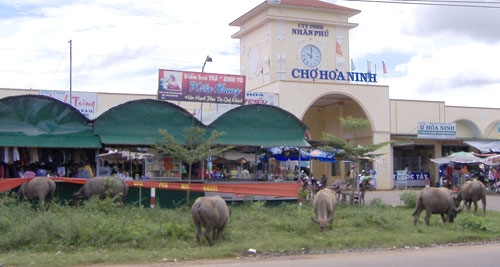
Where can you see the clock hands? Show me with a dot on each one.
(311, 56)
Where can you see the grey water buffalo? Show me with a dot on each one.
(471, 192)
(212, 213)
(324, 206)
(435, 201)
(37, 188)
(102, 187)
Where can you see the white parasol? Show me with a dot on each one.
(492, 160)
(459, 157)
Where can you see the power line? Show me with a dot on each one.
(450, 3)
(57, 69)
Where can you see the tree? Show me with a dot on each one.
(353, 125)
(196, 147)
(348, 151)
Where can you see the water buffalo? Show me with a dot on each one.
(37, 188)
(324, 206)
(212, 213)
(471, 191)
(102, 187)
(435, 201)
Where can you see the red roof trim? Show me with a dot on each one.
(316, 4)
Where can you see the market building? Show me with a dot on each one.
(295, 55)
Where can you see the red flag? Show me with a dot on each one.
(384, 67)
(338, 49)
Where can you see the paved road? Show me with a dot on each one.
(392, 197)
(483, 255)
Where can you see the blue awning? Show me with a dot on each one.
(292, 153)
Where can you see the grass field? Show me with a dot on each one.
(102, 233)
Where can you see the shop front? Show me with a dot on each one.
(41, 136)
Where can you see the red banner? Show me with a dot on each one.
(285, 189)
(201, 87)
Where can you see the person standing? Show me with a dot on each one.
(496, 175)
(449, 175)
(374, 178)
(491, 178)
(353, 175)
(324, 180)
(481, 174)
(464, 171)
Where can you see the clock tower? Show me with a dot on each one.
(279, 36)
(298, 51)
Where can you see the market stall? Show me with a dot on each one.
(44, 136)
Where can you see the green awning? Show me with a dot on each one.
(137, 122)
(50, 141)
(260, 125)
(41, 121)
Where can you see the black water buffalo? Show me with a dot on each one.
(212, 213)
(324, 206)
(102, 187)
(37, 188)
(435, 201)
(472, 191)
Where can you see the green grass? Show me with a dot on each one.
(103, 233)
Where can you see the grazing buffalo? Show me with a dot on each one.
(324, 206)
(213, 214)
(472, 191)
(37, 188)
(435, 201)
(102, 187)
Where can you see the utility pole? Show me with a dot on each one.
(70, 71)
(207, 59)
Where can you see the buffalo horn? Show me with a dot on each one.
(315, 220)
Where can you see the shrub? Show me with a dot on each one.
(474, 223)
(409, 198)
(377, 202)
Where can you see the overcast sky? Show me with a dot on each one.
(434, 53)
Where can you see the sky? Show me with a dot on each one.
(437, 53)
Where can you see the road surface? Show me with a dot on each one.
(483, 255)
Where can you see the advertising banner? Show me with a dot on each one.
(435, 130)
(201, 87)
(413, 179)
(85, 102)
(259, 98)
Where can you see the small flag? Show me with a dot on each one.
(353, 67)
(368, 66)
(338, 49)
(384, 67)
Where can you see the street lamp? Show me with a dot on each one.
(208, 59)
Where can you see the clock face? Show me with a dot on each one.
(310, 55)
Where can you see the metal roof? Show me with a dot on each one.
(137, 122)
(41, 121)
(260, 125)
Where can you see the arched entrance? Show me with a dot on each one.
(323, 115)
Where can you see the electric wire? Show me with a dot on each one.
(58, 66)
(445, 3)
